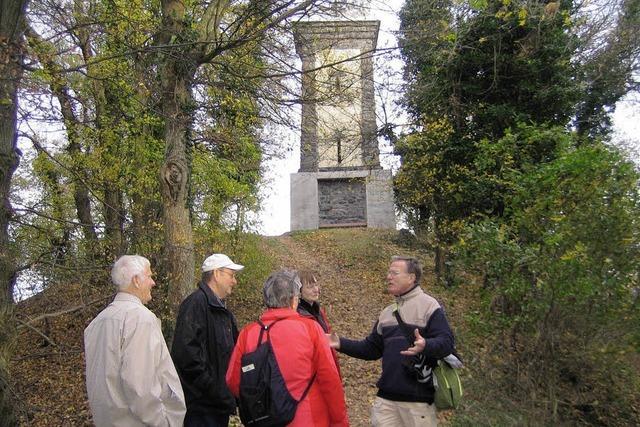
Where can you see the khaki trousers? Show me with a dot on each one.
(388, 413)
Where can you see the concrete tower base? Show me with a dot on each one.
(354, 198)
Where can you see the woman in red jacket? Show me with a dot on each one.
(301, 350)
(309, 305)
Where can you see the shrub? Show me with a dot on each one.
(560, 268)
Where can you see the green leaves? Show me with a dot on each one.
(487, 70)
(561, 263)
(478, 4)
(546, 216)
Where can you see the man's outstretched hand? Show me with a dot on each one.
(418, 345)
(334, 340)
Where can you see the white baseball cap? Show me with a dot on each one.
(216, 261)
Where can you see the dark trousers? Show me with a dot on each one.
(205, 420)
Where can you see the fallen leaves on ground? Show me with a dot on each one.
(351, 265)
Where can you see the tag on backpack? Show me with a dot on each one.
(248, 368)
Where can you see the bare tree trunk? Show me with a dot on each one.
(442, 268)
(114, 210)
(145, 213)
(11, 53)
(60, 243)
(80, 192)
(174, 181)
(12, 28)
(146, 205)
(146, 208)
(176, 75)
(114, 220)
(83, 207)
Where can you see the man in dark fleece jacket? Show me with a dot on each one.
(405, 388)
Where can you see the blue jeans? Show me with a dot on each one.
(205, 420)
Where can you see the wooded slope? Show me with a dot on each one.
(48, 372)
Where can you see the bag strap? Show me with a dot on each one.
(306, 390)
(267, 328)
(405, 328)
(409, 333)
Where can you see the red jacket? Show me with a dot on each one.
(315, 312)
(301, 349)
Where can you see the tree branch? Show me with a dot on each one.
(24, 324)
(59, 313)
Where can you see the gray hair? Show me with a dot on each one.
(206, 277)
(413, 266)
(126, 268)
(280, 288)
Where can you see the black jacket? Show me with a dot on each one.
(313, 310)
(202, 344)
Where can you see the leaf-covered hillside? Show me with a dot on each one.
(351, 265)
(48, 367)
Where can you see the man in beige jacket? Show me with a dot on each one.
(131, 379)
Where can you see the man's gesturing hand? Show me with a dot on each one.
(418, 345)
(334, 340)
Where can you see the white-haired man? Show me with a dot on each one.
(131, 380)
(205, 334)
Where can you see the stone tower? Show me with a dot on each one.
(340, 182)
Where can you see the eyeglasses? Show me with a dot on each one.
(395, 273)
(229, 272)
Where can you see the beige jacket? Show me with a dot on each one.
(131, 380)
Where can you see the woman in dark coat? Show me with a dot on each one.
(309, 305)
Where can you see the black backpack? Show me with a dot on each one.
(265, 400)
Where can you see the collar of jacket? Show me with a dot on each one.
(212, 298)
(272, 314)
(416, 290)
(312, 309)
(125, 296)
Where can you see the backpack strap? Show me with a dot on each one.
(264, 328)
(306, 390)
(267, 328)
(417, 364)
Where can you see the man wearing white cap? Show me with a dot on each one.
(203, 341)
